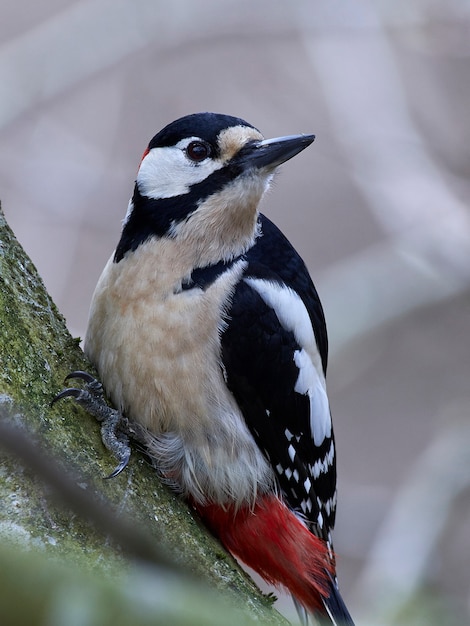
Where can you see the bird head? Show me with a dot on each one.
(200, 181)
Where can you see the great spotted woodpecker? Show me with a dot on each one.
(207, 331)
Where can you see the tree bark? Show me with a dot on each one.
(36, 353)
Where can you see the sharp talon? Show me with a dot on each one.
(122, 465)
(66, 393)
(88, 378)
(115, 429)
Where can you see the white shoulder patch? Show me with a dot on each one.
(293, 317)
(289, 308)
(309, 383)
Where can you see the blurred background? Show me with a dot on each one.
(378, 207)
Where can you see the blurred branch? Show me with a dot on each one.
(58, 588)
(92, 35)
(426, 256)
(401, 557)
(424, 259)
(40, 591)
(132, 539)
(389, 280)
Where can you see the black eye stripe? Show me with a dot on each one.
(198, 150)
(152, 217)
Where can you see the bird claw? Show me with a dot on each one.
(121, 466)
(115, 429)
(93, 385)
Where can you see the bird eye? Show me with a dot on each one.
(198, 151)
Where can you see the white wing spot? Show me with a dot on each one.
(288, 434)
(323, 465)
(330, 504)
(291, 452)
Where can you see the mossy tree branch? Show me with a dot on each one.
(36, 353)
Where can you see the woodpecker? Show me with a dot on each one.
(207, 331)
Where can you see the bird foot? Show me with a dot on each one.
(115, 427)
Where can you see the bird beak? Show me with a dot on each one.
(269, 153)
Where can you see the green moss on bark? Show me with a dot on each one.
(36, 353)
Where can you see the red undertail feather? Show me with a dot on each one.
(271, 540)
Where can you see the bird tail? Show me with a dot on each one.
(335, 606)
(335, 609)
(271, 540)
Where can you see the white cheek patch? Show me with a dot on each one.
(167, 172)
(293, 317)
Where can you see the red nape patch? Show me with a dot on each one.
(271, 540)
(144, 155)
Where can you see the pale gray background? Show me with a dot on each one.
(377, 206)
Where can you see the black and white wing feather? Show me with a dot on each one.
(274, 352)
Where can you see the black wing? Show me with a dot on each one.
(260, 352)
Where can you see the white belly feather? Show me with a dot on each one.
(157, 351)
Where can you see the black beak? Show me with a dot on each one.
(269, 153)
